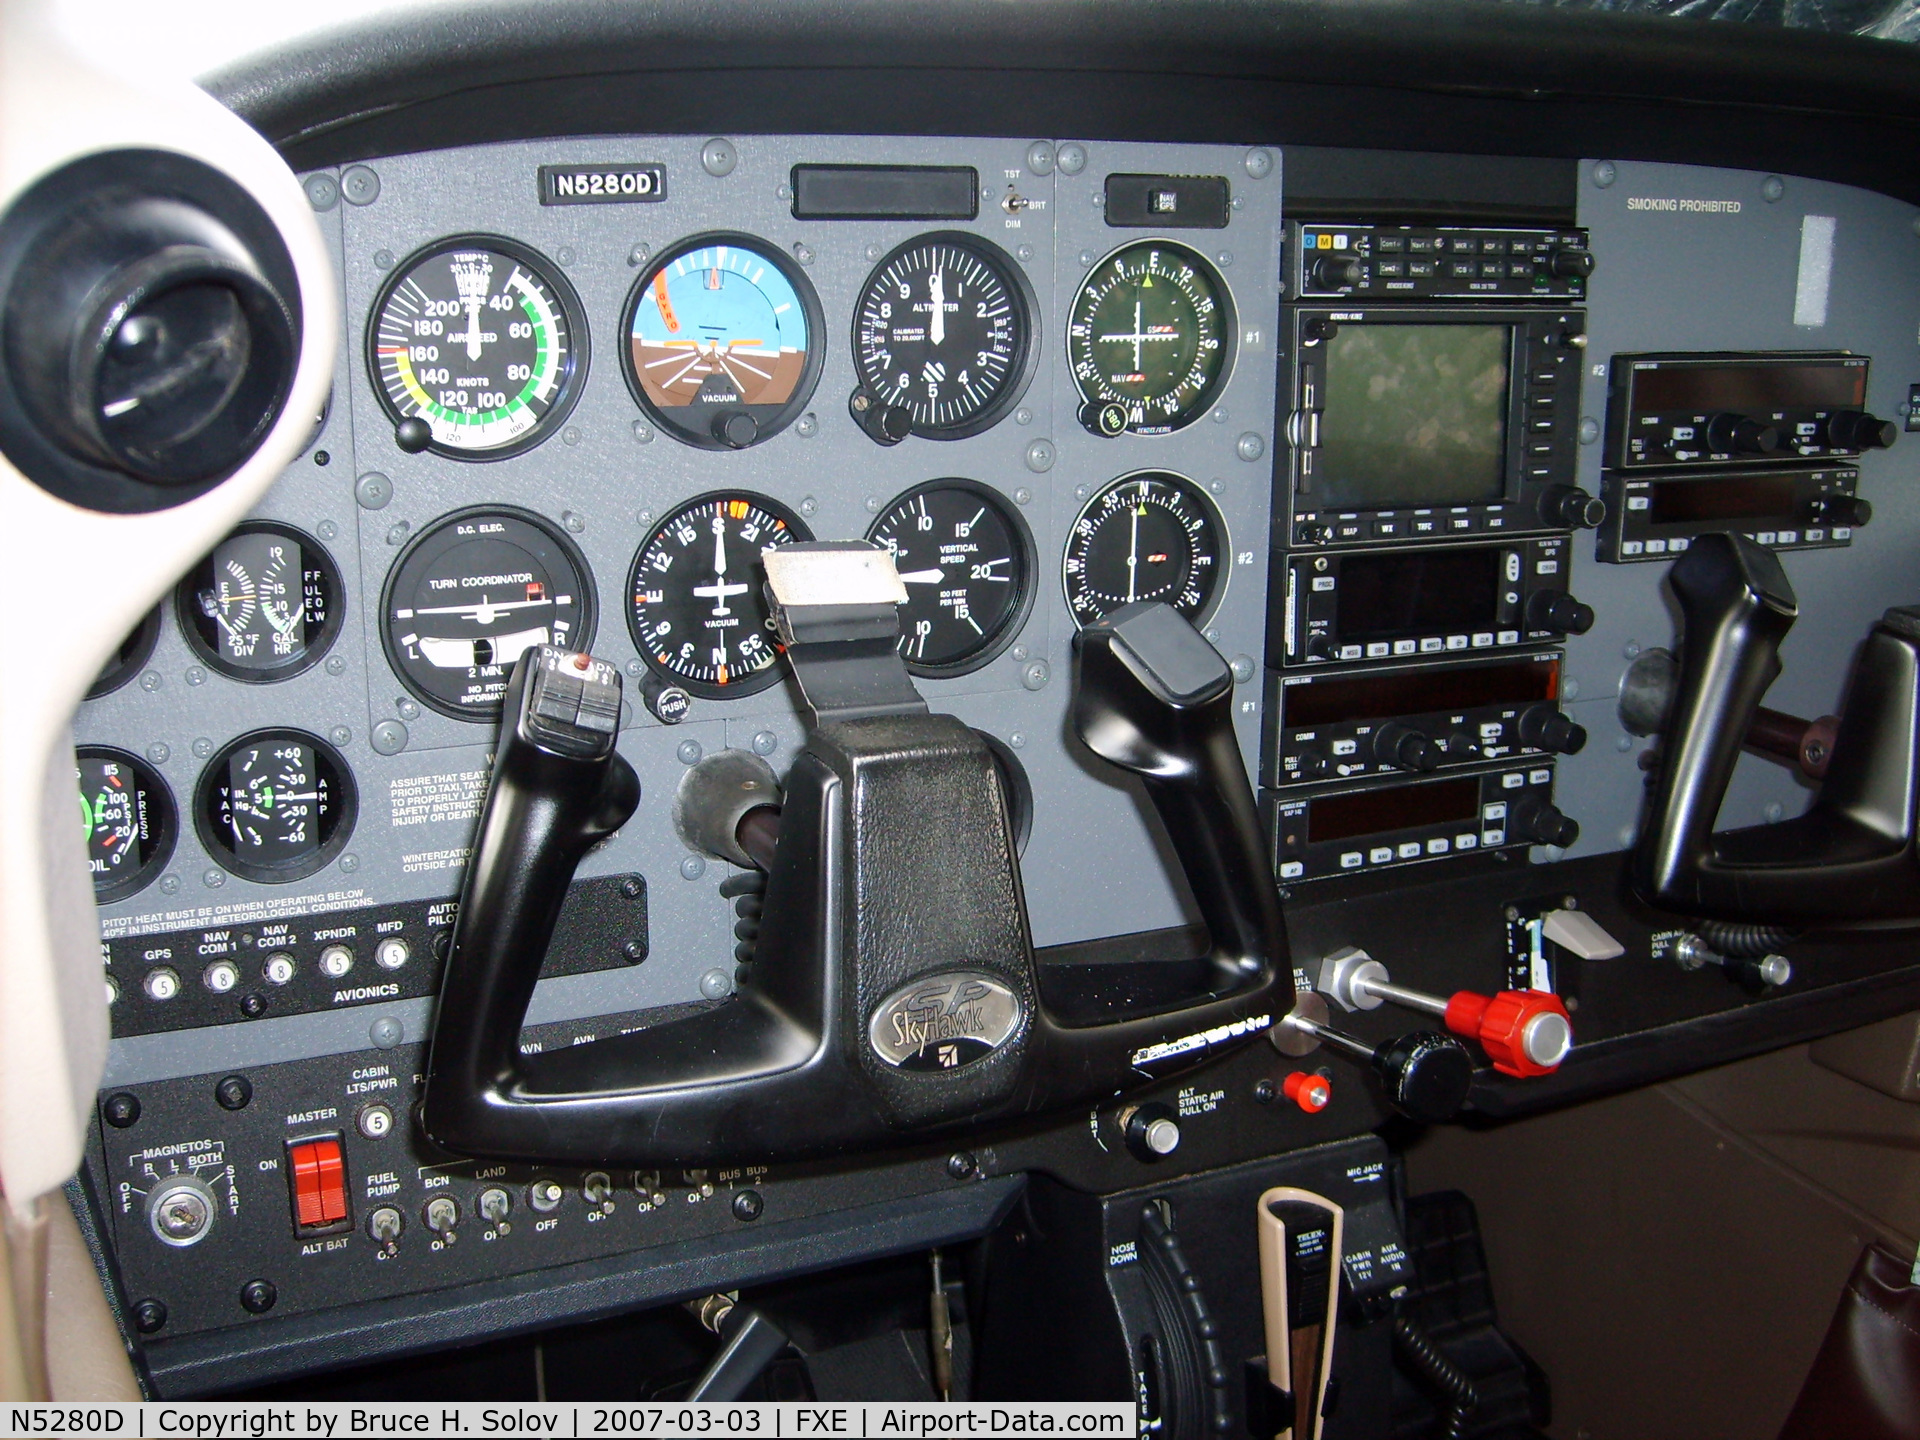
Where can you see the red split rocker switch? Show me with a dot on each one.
(317, 1177)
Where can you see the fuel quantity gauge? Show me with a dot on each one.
(264, 605)
(126, 814)
(275, 806)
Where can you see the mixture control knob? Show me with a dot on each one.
(1559, 612)
(1571, 263)
(1541, 822)
(1152, 1131)
(1334, 272)
(1734, 434)
(1405, 748)
(1571, 507)
(1857, 430)
(1840, 509)
(1524, 1032)
(180, 1211)
(1545, 728)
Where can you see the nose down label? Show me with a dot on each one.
(944, 1021)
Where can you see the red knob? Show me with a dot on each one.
(1310, 1092)
(1524, 1032)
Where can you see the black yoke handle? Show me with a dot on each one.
(894, 990)
(1849, 860)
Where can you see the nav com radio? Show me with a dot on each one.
(1420, 423)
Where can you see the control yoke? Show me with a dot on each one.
(1850, 858)
(894, 989)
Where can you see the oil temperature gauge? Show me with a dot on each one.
(127, 816)
(471, 595)
(264, 605)
(967, 559)
(275, 806)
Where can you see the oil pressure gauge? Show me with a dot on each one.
(127, 815)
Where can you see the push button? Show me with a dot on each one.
(317, 1173)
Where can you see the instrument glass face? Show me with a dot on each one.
(1150, 536)
(967, 560)
(723, 341)
(275, 806)
(479, 338)
(474, 593)
(1152, 332)
(943, 329)
(697, 606)
(264, 605)
(127, 817)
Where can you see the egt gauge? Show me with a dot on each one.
(477, 347)
(264, 605)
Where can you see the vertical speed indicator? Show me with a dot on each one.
(479, 339)
(1149, 339)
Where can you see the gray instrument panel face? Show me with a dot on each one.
(1092, 866)
(1706, 276)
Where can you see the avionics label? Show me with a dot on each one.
(603, 184)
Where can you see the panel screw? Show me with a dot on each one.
(564, 255)
(961, 1164)
(640, 254)
(689, 752)
(1040, 455)
(336, 666)
(397, 533)
(808, 426)
(389, 737)
(383, 259)
(575, 522)
(747, 1205)
(692, 868)
(1225, 257)
(1772, 188)
(121, 1110)
(196, 676)
(323, 459)
(1589, 430)
(349, 863)
(169, 884)
(632, 888)
(323, 192)
(340, 735)
(151, 681)
(1071, 159)
(327, 530)
(149, 1316)
(1605, 172)
(809, 506)
(1243, 669)
(386, 1032)
(718, 157)
(360, 185)
(373, 490)
(1035, 676)
(1017, 740)
(1264, 1092)
(253, 1005)
(1259, 163)
(634, 951)
(1025, 252)
(642, 432)
(406, 709)
(765, 742)
(1249, 446)
(716, 984)
(1023, 496)
(234, 1093)
(1040, 158)
(257, 1296)
(802, 251)
(202, 748)
(214, 879)
(570, 436)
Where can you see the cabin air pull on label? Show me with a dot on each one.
(630, 184)
(944, 1021)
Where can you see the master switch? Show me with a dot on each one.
(317, 1178)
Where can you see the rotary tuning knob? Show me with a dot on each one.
(1732, 434)
(1334, 272)
(1857, 430)
(1544, 727)
(1559, 612)
(885, 424)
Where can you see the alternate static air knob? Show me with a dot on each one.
(1734, 434)
(1334, 272)
(1539, 821)
(1857, 430)
(1405, 748)
(1847, 510)
(1559, 612)
(1545, 728)
(1570, 263)
(1571, 507)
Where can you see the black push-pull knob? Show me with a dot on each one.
(1571, 264)
(1545, 728)
(1334, 272)
(1572, 507)
(1559, 612)
(1733, 434)
(1857, 430)
(1405, 748)
(1848, 510)
(1318, 329)
(1543, 823)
